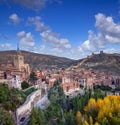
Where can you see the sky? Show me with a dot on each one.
(65, 28)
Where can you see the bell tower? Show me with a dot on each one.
(18, 60)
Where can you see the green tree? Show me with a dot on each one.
(105, 121)
(37, 117)
(10, 98)
(70, 118)
(6, 118)
(33, 77)
(4, 90)
(56, 93)
(8, 105)
(79, 102)
(24, 85)
(98, 94)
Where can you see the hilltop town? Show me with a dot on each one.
(16, 70)
(74, 80)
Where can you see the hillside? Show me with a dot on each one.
(101, 62)
(36, 60)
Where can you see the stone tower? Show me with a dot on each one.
(18, 60)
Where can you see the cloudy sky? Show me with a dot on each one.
(67, 28)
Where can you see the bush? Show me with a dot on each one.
(8, 105)
(102, 87)
(29, 91)
(24, 85)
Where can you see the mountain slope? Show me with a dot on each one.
(36, 60)
(101, 62)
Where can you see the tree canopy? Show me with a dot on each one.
(56, 93)
(89, 109)
(33, 77)
(24, 85)
(10, 99)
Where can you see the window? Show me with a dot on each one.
(20, 58)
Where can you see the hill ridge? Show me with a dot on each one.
(102, 62)
(36, 60)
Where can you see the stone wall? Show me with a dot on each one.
(24, 111)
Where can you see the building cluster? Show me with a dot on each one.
(70, 79)
(14, 72)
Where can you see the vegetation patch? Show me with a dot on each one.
(88, 109)
(10, 99)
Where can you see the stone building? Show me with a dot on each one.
(17, 69)
(19, 64)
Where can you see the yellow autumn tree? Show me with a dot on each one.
(91, 120)
(99, 103)
(91, 104)
(79, 117)
(85, 123)
(110, 108)
(96, 123)
(91, 109)
(104, 111)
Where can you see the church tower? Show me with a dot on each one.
(19, 60)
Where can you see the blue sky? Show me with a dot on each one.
(67, 28)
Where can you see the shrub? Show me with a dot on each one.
(24, 85)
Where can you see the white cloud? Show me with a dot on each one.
(36, 21)
(112, 39)
(26, 39)
(54, 41)
(31, 4)
(21, 34)
(42, 47)
(51, 39)
(112, 50)
(94, 43)
(108, 28)
(5, 46)
(108, 33)
(56, 50)
(14, 18)
(65, 43)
